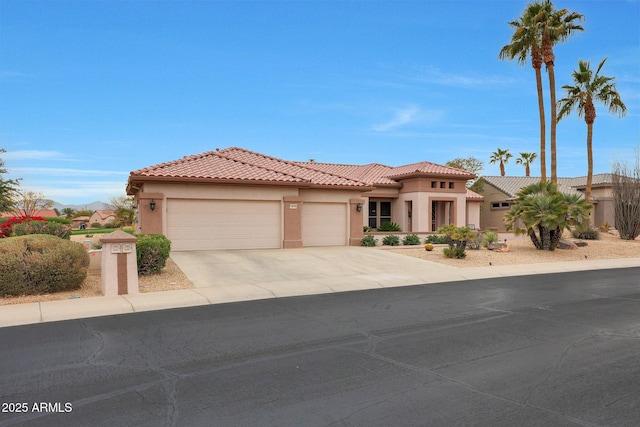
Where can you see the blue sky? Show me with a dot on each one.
(91, 90)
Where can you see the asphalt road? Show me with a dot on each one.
(553, 350)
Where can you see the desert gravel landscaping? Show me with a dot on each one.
(522, 251)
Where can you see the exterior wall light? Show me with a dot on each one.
(359, 207)
(152, 205)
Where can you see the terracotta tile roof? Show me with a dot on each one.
(422, 168)
(239, 164)
(45, 213)
(104, 214)
(474, 196)
(373, 173)
(243, 165)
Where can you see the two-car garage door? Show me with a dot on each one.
(249, 224)
(223, 224)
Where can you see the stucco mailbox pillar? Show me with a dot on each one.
(119, 272)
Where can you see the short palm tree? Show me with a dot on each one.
(587, 88)
(555, 26)
(525, 42)
(502, 157)
(526, 159)
(543, 213)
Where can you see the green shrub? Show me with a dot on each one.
(391, 240)
(368, 241)
(586, 233)
(96, 225)
(436, 239)
(112, 224)
(37, 264)
(42, 227)
(366, 228)
(489, 238)
(411, 239)
(58, 219)
(389, 226)
(152, 251)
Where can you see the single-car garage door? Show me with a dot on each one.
(223, 224)
(324, 224)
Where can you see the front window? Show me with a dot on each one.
(379, 212)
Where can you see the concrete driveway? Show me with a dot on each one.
(243, 275)
(306, 271)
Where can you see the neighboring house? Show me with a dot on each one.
(499, 192)
(102, 217)
(80, 222)
(239, 199)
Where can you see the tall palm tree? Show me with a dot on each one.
(526, 159)
(555, 26)
(526, 41)
(502, 157)
(587, 88)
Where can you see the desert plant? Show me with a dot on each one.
(152, 251)
(457, 238)
(625, 180)
(366, 228)
(489, 238)
(368, 241)
(37, 264)
(585, 233)
(428, 247)
(391, 240)
(7, 226)
(546, 213)
(605, 227)
(411, 239)
(389, 226)
(436, 239)
(454, 252)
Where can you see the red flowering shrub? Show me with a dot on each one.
(5, 229)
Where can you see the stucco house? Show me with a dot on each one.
(102, 217)
(499, 192)
(239, 199)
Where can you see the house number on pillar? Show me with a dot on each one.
(293, 206)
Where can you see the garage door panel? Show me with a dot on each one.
(223, 224)
(324, 224)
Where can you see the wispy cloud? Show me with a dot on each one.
(408, 115)
(434, 75)
(66, 172)
(34, 155)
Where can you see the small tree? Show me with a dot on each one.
(31, 203)
(124, 208)
(626, 198)
(8, 189)
(457, 238)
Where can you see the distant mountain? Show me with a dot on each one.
(94, 206)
